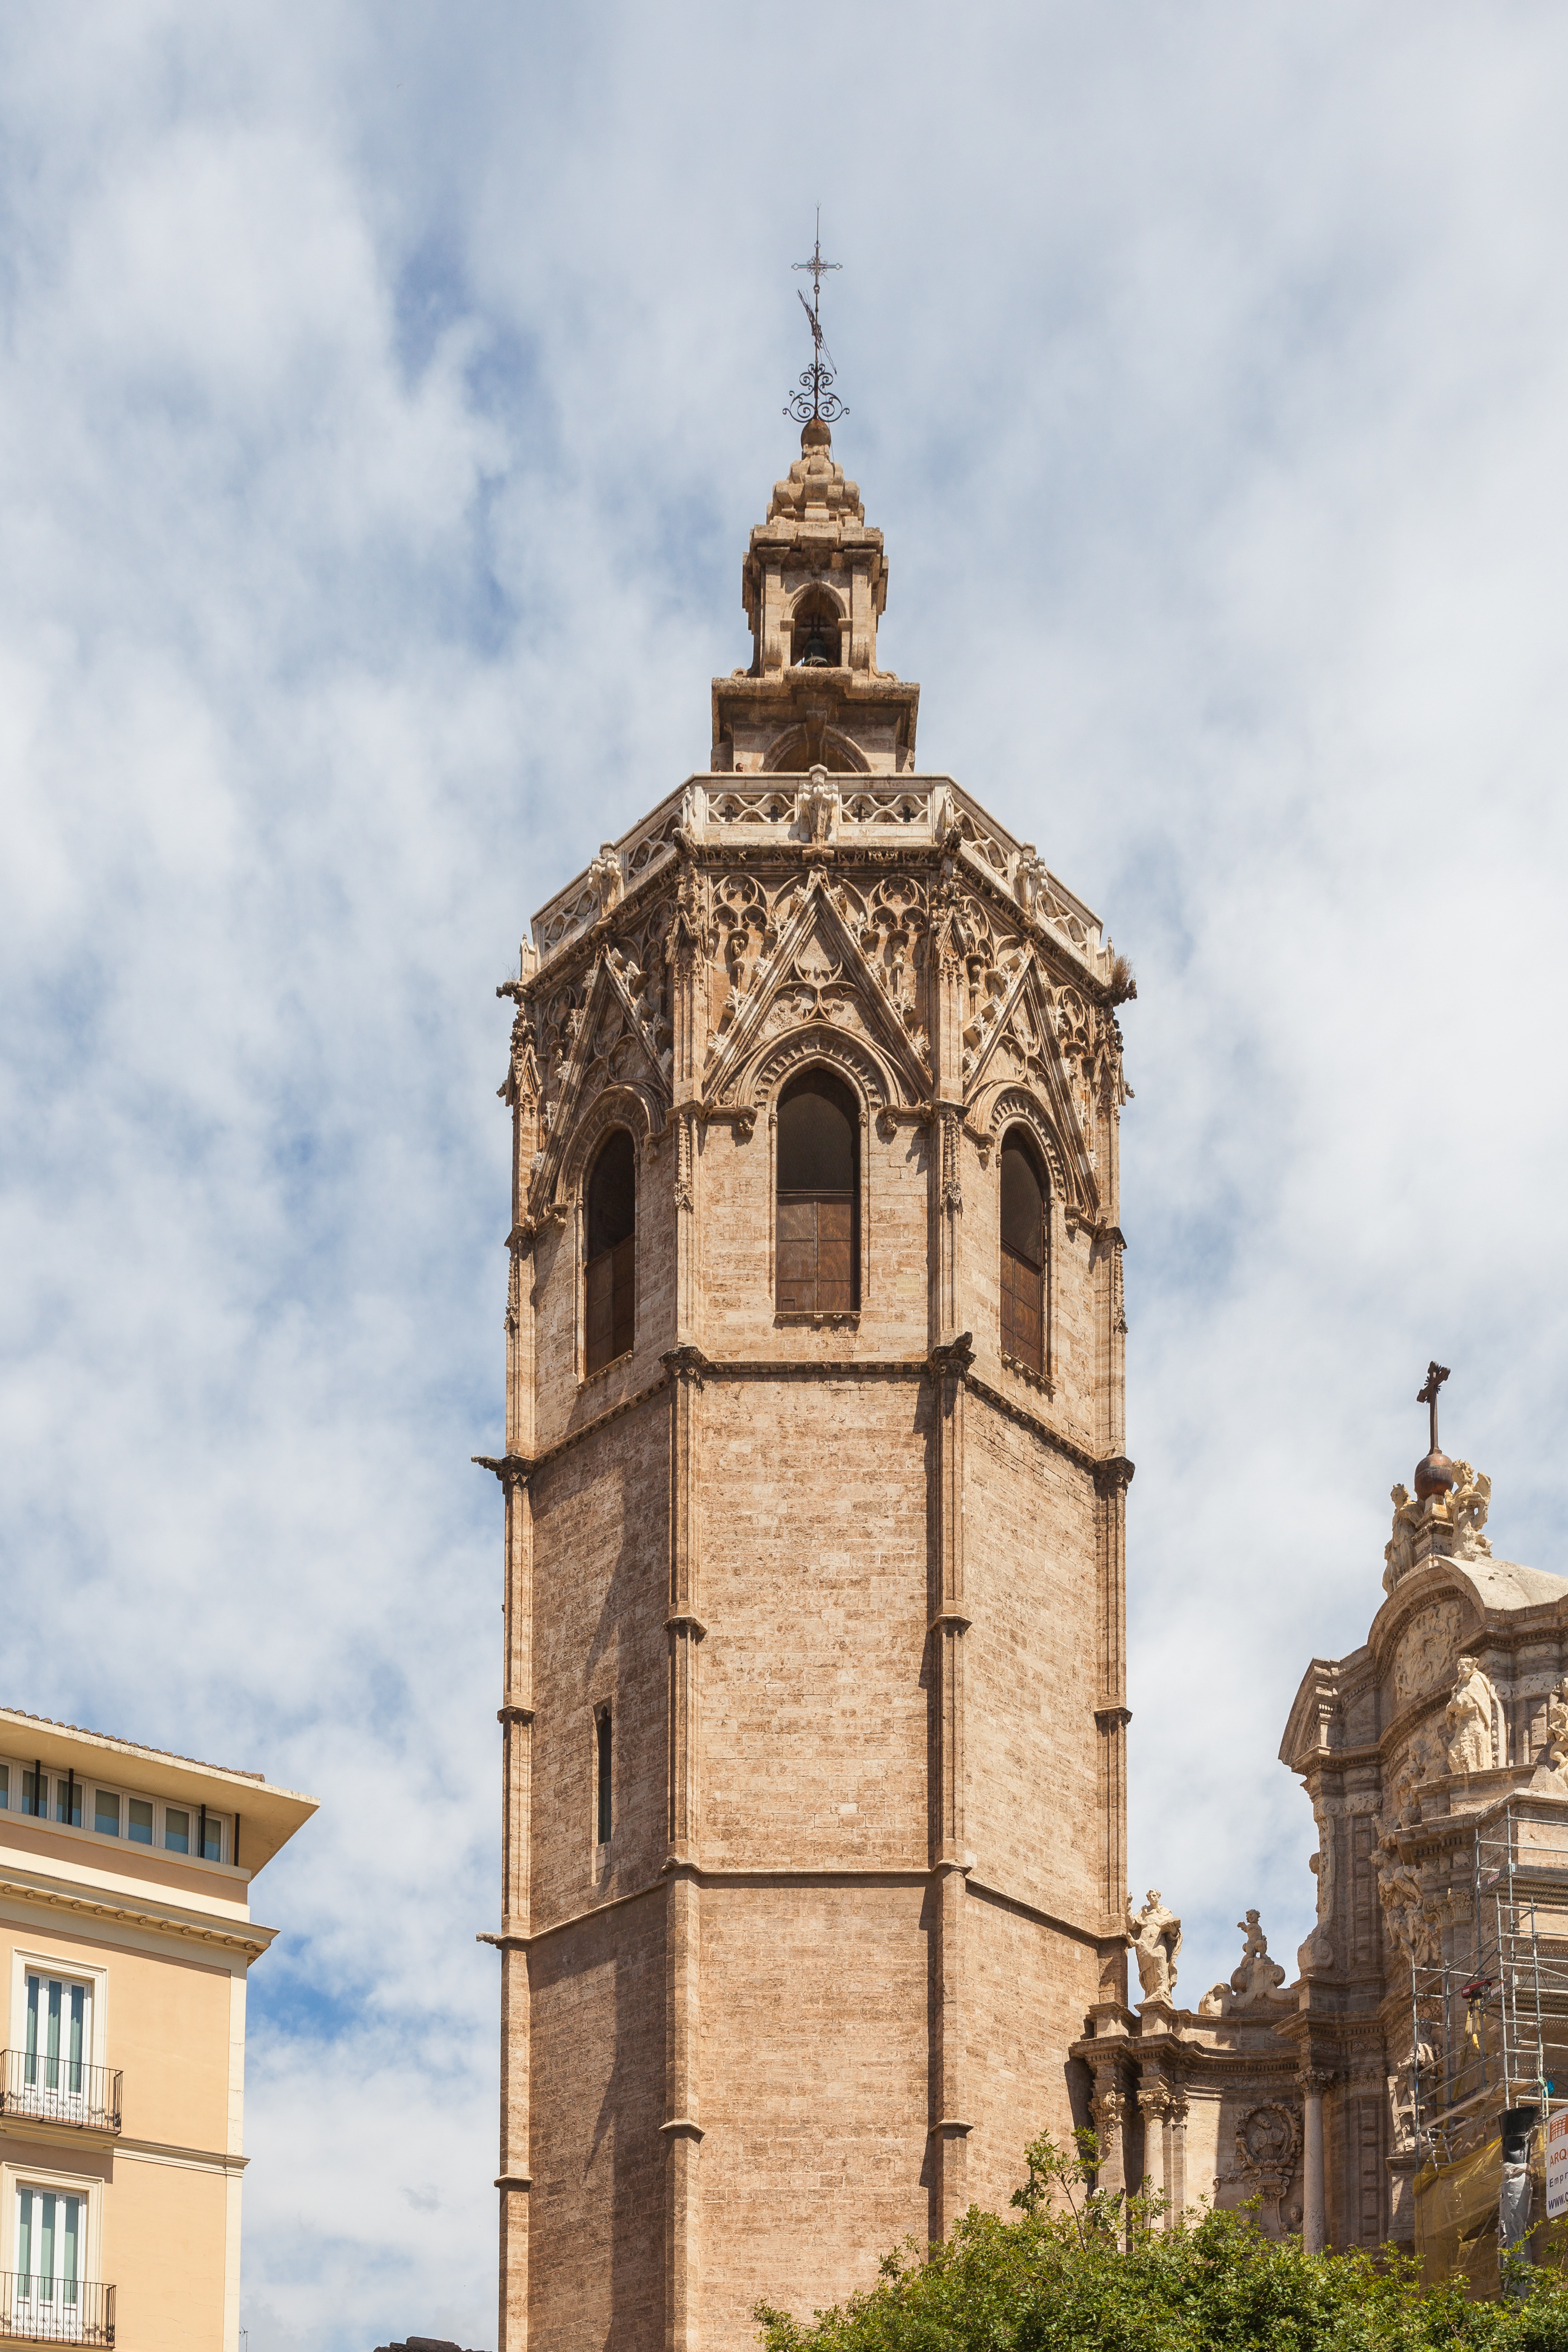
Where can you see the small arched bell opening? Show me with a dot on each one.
(610, 1274)
(818, 1205)
(815, 633)
(1023, 1250)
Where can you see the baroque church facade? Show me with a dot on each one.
(814, 1712)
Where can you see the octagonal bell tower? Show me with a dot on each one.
(814, 1720)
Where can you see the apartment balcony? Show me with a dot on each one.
(34, 2310)
(42, 2089)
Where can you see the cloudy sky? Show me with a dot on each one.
(385, 395)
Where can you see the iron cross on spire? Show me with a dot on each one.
(815, 400)
(1436, 1374)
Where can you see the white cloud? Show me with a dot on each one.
(383, 403)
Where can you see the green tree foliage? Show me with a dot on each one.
(1082, 2270)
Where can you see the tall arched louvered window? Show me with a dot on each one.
(1023, 1250)
(818, 1230)
(612, 1266)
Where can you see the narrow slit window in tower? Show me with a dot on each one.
(818, 1230)
(1022, 1252)
(603, 1763)
(611, 1272)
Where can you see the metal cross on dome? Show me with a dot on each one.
(815, 400)
(1436, 1374)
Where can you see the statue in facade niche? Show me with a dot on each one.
(1155, 1934)
(1468, 1716)
(1552, 1764)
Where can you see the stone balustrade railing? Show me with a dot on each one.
(872, 812)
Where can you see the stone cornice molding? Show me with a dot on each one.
(1109, 1471)
(235, 1937)
(1090, 1937)
(520, 1468)
(157, 2151)
(829, 1875)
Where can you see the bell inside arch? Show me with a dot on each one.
(816, 634)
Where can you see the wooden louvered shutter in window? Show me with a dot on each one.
(610, 1274)
(817, 1231)
(1022, 1256)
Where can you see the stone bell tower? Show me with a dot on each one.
(814, 1720)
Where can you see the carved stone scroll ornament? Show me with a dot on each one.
(1155, 1934)
(1468, 1716)
(1254, 1984)
(1268, 2145)
(1421, 1662)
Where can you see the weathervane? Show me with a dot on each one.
(816, 402)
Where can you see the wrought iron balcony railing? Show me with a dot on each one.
(41, 2089)
(38, 2310)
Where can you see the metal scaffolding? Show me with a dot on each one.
(1490, 2034)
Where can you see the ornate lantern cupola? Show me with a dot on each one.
(814, 585)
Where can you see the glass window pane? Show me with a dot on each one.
(78, 2019)
(68, 2267)
(138, 1825)
(67, 1801)
(24, 2233)
(32, 2026)
(4, 1788)
(46, 2244)
(212, 1848)
(176, 1830)
(106, 1814)
(35, 1792)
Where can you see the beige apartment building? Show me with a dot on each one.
(125, 1940)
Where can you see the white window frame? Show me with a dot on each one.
(89, 1784)
(88, 2187)
(37, 1962)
